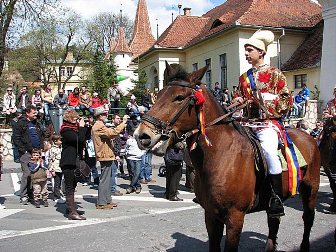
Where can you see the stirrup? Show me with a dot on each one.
(278, 212)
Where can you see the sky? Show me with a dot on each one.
(160, 11)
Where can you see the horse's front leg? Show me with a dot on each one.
(234, 226)
(215, 232)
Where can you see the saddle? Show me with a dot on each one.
(260, 160)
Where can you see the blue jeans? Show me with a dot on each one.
(146, 166)
(114, 175)
(135, 168)
(46, 110)
(83, 108)
(74, 108)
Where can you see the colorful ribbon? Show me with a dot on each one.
(294, 171)
(200, 100)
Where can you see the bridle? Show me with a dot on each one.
(166, 128)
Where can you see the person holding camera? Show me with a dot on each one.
(102, 140)
(173, 162)
(73, 133)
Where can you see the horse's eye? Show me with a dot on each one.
(179, 98)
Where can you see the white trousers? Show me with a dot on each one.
(269, 142)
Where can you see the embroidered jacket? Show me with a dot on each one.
(330, 109)
(273, 87)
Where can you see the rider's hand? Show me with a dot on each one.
(125, 118)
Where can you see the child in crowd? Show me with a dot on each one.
(133, 157)
(38, 178)
(54, 158)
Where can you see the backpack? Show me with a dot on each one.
(174, 156)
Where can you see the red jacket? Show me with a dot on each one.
(95, 102)
(73, 100)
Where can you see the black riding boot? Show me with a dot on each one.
(276, 208)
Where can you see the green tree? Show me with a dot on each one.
(53, 45)
(16, 15)
(102, 75)
(140, 85)
(103, 28)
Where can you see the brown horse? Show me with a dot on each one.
(328, 156)
(226, 180)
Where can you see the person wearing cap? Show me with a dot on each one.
(133, 108)
(95, 101)
(9, 107)
(266, 89)
(330, 109)
(102, 136)
(113, 97)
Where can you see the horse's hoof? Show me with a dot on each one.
(270, 246)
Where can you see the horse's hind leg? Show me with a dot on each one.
(273, 228)
(309, 196)
(215, 232)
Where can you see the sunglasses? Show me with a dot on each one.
(9, 90)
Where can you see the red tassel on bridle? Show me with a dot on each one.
(200, 100)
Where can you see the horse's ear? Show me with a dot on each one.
(196, 76)
(167, 73)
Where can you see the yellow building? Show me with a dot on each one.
(217, 39)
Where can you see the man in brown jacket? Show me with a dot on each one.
(102, 140)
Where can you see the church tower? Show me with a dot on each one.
(125, 55)
(142, 38)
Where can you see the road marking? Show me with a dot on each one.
(7, 212)
(15, 181)
(5, 234)
(150, 198)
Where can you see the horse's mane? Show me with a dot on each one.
(178, 73)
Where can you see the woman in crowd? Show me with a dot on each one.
(37, 101)
(47, 99)
(73, 140)
(73, 99)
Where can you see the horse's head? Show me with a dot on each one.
(173, 113)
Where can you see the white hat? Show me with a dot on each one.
(133, 97)
(95, 94)
(261, 39)
(99, 111)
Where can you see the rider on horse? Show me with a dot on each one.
(266, 89)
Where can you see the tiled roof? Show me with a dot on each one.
(181, 31)
(142, 38)
(122, 45)
(272, 13)
(309, 53)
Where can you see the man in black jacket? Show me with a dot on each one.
(27, 136)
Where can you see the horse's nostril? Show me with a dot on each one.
(145, 140)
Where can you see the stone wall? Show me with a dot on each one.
(312, 113)
(6, 140)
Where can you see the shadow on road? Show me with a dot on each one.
(249, 241)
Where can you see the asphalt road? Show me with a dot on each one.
(145, 222)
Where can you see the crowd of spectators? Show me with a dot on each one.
(85, 133)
